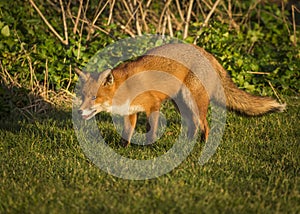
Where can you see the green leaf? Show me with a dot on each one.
(5, 31)
(239, 62)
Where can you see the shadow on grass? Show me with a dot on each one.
(18, 104)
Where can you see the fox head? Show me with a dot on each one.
(96, 92)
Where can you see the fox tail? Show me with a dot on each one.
(249, 104)
(243, 102)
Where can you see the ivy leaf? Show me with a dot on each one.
(5, 31)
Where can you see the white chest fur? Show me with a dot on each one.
(125, 109)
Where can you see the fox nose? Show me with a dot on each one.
(80, 112)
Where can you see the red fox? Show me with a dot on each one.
(165, 72)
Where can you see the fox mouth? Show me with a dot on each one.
(89, 116)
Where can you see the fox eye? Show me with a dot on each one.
(94, 97)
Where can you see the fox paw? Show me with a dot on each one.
(124, 142)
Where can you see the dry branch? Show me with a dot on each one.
(211, 12)
(64, 41)
(78, 16)
(187, 21)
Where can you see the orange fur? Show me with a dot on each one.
(169, 71)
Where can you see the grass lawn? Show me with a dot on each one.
(255, 170)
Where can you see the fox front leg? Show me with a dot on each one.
(129, 125)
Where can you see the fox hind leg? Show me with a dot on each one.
(197, 102)
(189, 117)
(203, 104)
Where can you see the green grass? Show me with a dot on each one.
(255, 170)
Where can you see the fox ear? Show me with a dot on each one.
(108, 77)
(83, 75)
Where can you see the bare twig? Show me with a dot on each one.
(94, 26)
(99, 13)
(65, 42)
(6, 74)
(133, 16)
(252, 7)
(127, 31)
(70, 77)
(46, 79)
(138, 27)
(257, 72)
(162, 16)
(86, 8)
(275, 92)
(284, 17)
(111, 8)
(175, 22)
(208, 5)
(187, 21)
(211, 12)
(78, 16)
(179, 10)
(170, 24)
(148, 3)
(143, 15)
(32, 75)
(127, 7)
(229, 13)
(137, 23)
(163, 32)
(294, 24)
(64, 22)
(201, 9)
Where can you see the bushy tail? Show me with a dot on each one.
(246, 103)
(239, 100)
